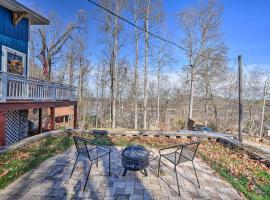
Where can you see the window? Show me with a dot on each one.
(13, 61)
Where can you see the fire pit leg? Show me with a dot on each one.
(145, 172)
(125, 171)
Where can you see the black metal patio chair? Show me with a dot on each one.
(90, 151)
(180, 154)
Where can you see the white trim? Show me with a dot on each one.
(26, 70)
(6, 49)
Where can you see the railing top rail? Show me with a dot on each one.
(35, 80)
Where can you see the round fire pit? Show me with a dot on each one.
(135, 158)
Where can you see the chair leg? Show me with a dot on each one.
(109, 163)
(159, 165)
(87, 176)
(124, 173)
(145, 172)
(74, 166)
(177, 180)
(196, 174)
(97, 158)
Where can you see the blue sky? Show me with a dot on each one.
(246, 25)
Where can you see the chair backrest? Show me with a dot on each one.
(81, 146)
(188, 151)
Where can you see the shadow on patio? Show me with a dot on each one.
(102, 186)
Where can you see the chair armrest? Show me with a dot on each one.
(171, 147)
(96, 146)
(179, 146)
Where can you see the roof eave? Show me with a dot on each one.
(34, 17)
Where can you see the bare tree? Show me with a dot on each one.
(163, 60)
(111, 28)
(152, 15)
(84, 66)
(146, 46)
(212, 73)
(136, 11)
(57, 40)
(201, 26)
(253, 90)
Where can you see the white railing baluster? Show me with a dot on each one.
(15, 89)
(10, 88)
(38, 92)
(27, 90)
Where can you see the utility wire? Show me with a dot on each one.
(155, 35)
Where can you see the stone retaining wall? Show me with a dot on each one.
(194, 135)
(30, 140)
(225, 139)
(168, 134)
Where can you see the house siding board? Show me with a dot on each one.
(2, 20)
(15, 37)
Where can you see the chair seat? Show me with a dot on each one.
(174, 158)
(101, 152)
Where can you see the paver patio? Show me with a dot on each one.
(51, 180)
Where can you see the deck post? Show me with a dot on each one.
(52, 118)
(40, 120)
(75, 117)
(3, 89)
(3, 116)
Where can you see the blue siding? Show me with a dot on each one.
(14, 44)
(15, 37)
(19, 32)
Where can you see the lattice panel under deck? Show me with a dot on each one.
(12, 127)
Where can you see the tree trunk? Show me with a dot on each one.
(146, 21)
(97, 100)
(49, 59)
(136, 72)
(205, 106)
(70, 69)
(191, 92)
(103, 102)
(83, 106)
(113, 72)
(205, 112)
(215, 107)
(80, 94)
(158, 97)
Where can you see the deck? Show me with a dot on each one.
(23, 93)
(19, 88)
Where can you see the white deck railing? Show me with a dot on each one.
(15, 87)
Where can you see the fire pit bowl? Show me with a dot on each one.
(135, 158)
